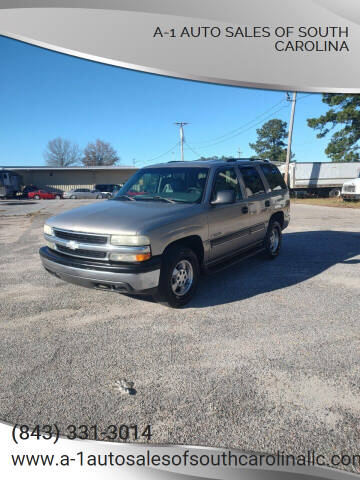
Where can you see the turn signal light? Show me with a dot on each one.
(141, 257)
(129, 257)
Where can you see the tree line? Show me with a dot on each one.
(60, 152)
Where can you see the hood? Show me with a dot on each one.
(354, 181)
(120, 217)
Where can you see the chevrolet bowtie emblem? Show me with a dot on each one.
(72, 245)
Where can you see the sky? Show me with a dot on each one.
(44, 95)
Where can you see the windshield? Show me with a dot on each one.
(185, 185)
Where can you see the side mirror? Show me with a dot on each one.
(224, 197)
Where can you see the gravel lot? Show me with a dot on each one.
(266, 357)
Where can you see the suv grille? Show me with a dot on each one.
(349, 188)
(81, 237)
(79, 252)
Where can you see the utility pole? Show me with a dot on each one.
(288, 152)
(182, 138)
(239, 152)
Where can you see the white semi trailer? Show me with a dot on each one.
(320, 178)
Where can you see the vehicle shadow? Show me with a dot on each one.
(18, 203)
(304, 255)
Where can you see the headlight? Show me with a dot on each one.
(129, 240)
(48, 230)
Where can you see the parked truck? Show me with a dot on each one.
(10, 183)
(320, 178)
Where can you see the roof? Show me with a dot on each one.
(209, 163)
(81, 168)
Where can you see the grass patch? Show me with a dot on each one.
(327, 202)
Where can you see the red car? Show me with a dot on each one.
(43, 194)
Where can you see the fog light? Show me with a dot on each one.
(51, 245)
(129, 257)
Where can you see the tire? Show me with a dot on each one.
(99, 196)
(178, 293)
(335, 193)
(57, 197)
(73, 197)
(37, 197)
(273, 239)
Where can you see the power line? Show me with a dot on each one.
(162, 154)
(239, 131)
(192, 149)
(242, 126)
(245, 130)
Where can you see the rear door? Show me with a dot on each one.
(277, 188)
(228, 224)
(258, 202)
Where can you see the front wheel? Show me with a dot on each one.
(73, 197)
(37, 197)
(179, 277)
(273, 239)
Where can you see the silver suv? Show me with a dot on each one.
(169, 223)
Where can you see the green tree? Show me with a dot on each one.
(344, 116)
(270, 143)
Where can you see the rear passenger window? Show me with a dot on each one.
(226, 179)
(252, 180)
(274, 177)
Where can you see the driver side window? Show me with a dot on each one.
(226, 179)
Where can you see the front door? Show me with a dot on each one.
(228, 224)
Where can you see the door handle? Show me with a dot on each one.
(267, 203)
(245, 209)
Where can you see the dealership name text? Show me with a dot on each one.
(287, 38)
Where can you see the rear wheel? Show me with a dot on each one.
(99, 196)
(57, 197)
(335, 193)
(179, 277)
(273, 239)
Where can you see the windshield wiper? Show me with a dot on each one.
(157, 198)
(127, 197)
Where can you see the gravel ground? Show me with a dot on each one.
(266, 356)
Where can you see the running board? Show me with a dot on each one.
(218, 267)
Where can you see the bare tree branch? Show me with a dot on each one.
(99, 154)
(62, 153)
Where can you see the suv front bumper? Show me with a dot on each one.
(123, 278)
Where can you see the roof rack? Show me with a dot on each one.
(252, 159)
